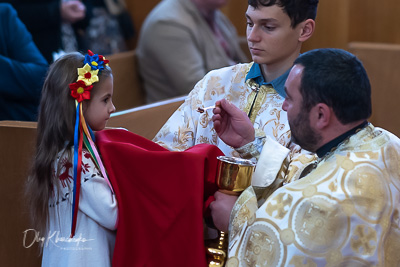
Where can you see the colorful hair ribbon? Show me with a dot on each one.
(83, 135)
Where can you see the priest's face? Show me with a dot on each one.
(302, 131)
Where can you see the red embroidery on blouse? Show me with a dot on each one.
(85, 167)
(64, 176)
(86, 154)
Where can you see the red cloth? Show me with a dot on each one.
(160, 198)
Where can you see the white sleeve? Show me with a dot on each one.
(179, 132)
(269, 163)
(96, 199)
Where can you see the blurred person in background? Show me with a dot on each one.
(22, 69)
(110, 27)
(52, 23)
(70, 25)
(180, 41)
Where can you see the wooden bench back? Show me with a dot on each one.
(382, 64)
(128, 89)
(146, 120)
(17, 142)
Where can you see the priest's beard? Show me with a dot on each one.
(302, 134)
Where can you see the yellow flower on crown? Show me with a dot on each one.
(88, 75)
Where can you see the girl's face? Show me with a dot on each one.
(98, 109)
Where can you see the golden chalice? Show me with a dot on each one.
(233, 176)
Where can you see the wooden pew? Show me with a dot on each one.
(128, 89)
(382, 64)
(148, 119)
(17, 142)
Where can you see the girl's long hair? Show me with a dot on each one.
(55, 130)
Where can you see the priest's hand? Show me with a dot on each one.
(221, 210)
(232, 125)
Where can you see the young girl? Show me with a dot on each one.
(73, 205)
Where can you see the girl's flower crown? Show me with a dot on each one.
(93, 64)
(80, 90)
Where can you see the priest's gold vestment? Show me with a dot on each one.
(343, 213)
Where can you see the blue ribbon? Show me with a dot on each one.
(76, 150)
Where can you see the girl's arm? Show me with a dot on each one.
(96, 199)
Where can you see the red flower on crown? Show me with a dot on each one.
(102, 58)
(106, 61)
(80, 91)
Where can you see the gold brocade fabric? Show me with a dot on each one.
(187, 127)
(258, 98)
(343, 213)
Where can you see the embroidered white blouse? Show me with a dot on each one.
(94, 239)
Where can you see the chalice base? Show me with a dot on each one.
(216, 257)
(216, 252)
